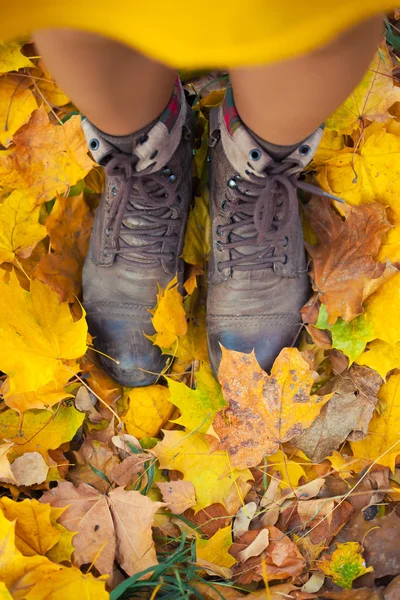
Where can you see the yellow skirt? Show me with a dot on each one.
(189, 34)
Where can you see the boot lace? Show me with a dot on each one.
(143, 220)
(262, 214)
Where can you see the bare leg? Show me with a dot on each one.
(285, 102)
(117, 88)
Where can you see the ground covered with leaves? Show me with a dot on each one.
(268, 485)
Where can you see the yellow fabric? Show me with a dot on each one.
(187, 34)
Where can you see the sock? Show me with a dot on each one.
(276, 151)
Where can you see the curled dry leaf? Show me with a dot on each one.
(243, 519)
(346, 415)
(124, 441)
(256, 547)
(6, 473)
(30, 468)
(85, 402)
(178, 495)
(273, 409)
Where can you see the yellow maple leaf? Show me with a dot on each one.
(272, 410)
(196, 249)
(289, 470)
(40, 430)
(63, 549)
(4, 593)
(169, 319)
(38, 335)
(37, 578)
(46, 158)
(210, 472)
(345, 564)
(381, 304)
(371, 99)
(344, 466)
(197, 406)
(11, 57)
(382, 443)
(34, 532)
(17, 103)
(213, 555)
(149, 409)
(20, 229)
(369, 175)
(49, 88)
(380, 356)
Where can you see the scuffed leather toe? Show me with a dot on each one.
(137, 362)
(266, 334)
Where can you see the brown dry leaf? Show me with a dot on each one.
(46, 159)
(264, 411)
(361, 594)
(178, 495)
(392, 592)
(117, 526)
(347, 413)
(210, 519)
(93, 454)
(281, 558)
(344, 259)
(311, 510)
(127, 472)
(85, 402)
(69, 226)
(257, 546)
(369, 487)
(30, 468)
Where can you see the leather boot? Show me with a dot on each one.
(137, 238)
(258, 272)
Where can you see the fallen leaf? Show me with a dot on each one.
(11, 57)
(38, 336)
(257, 546)
(381, 357)
(149, 409)
(49, 88)
(30, 468)
(6, 473)
(196, 248)
(177, 495)
(213, 553)
(243, 519)
(94, 464)
(371, 99)
(361, 594)
(4, 593)
(169, 319)
(127, 472)
(272, 410)
(314, 584)
(66, 583)
(198, 406)
(382, 445)
(20, 229)
(392, 591)
(345, 257)
(63, 549)
(280, 560)
(345, 564)
(290, 471)
(17, 103)
(83, 402)
(370, 487)
(383, 303)
(348, 412)
(46, 159)
(211, 473)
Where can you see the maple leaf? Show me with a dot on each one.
(380, 356)
(273, 410)
(94, 463)
(351, 338)
(48, 87)
(382, 443)
(344, 258)
(69, 226)
(40, 431)
(113, 526)
(378, 308)
(345, 564)
(196, 248)
(169, 319)
(20, 229)
(38, 336)
(198, 406)
(11, 57)
(192, 345)
(177, 495)
(149, 409)
(17, 103)
(210, 472)
(371, 99)
(46, 159)
(213, 554)
(6, 473)
(36, 577)
(289, 470)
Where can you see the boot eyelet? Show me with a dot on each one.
(255, 154)
(218, 244)
(178, 199)
(218, 230)
(105, 253)
(285, 241)
(107, 232)
(224, 208)
(94, 144)
(114, 190)
(193, 152)
(232, 183)
(218, 265)
(304, 150)
(172, 178)
(286, 258)
(154, 154)
(143, 139)
(166, 171)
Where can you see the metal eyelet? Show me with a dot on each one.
(304, 150)
(232, 183)
(218, 265)
(107, 232)
(193, 152)
(285, 262)
(255, 154)
(94, 144)
(105, 253)
(154, 154)
(114, 190)
(218, 230)
(143, 139)
(166, 171)
(285, 242)
(172, 178)
(218, 244)
(223, 206)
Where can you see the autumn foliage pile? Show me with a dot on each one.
(273, 485)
